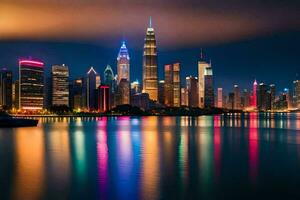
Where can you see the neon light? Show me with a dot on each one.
(31, 63)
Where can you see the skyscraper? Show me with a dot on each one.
(161, 91)
(192, 89)
(135, 87)
(5, 88)
(31, 89)
(109, 80)
(272, 96)
(172, 85)
(123, 64)
(254, 95)
(237, 97)
(150, 70)
(103, 98)
(220, 98)
(60, 85)
(209, 96)
(296, 94)
(93, 82)
(184, 97)
(262, 97)
(123, 96)
(78, 97)
(202, 65)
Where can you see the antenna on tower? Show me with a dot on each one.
(201, 54)
(150, 22)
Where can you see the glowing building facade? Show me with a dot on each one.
(123, 60)
(172, 85)
(254, 95)
(150, 70)
(202, 65)
(31, 88)
(60, 85)
(192, 89)
(220, 98)
(103, 98)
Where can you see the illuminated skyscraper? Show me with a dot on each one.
(93, 82)
(172, 85)
(135, 87)
(60, 85)
(220, 98)
(31, 90)
(150, 70)
(161, 91)
(254, 95)
(6, 88)
(202, 65)
(123, 64)
(296, 94)
(184, 97)
(209, 96)
(263, 97)
(272, 96)
(78, 95)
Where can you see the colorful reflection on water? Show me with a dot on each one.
(253, 155)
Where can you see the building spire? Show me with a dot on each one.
(150, 22)
(201, 54)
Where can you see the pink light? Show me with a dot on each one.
(31, 63)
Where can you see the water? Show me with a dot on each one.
(210, 157)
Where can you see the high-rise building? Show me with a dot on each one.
(161, 91)
(31, 90)
(60, 85)
(237, 97)
(209, 96)
(78, 94)
(123, 64)
(230, 101)
(110, 81)
(192, 89)
(93, 82)
(172, 85)
(202, 65)
(272, 96)
(296, 94)
(220, 98)
(150, 70)
(246, 98)
(184, 97)
(15, 94)
(254, 95)
(103, 98)
(5, 88)
(263, 97)
(123, 96)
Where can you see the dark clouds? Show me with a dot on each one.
(177, 22)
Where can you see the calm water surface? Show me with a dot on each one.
(211, 157)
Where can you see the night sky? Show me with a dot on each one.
(257, 39)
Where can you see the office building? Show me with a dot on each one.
(272, 96)
(123, 94)
(60, 85)
(209, 97)
(31, 89)
(161, 91)
(184, 97)
(220, 98)
(6, 89)
(141, 100)
(296, 94)
(78, 94)
(263, 100)
(192, 89)
(254, 95)
(172, 85)
(237, 97)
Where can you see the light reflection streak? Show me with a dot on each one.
(253, 148)
(30, 155)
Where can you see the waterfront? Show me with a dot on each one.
(236, 156)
